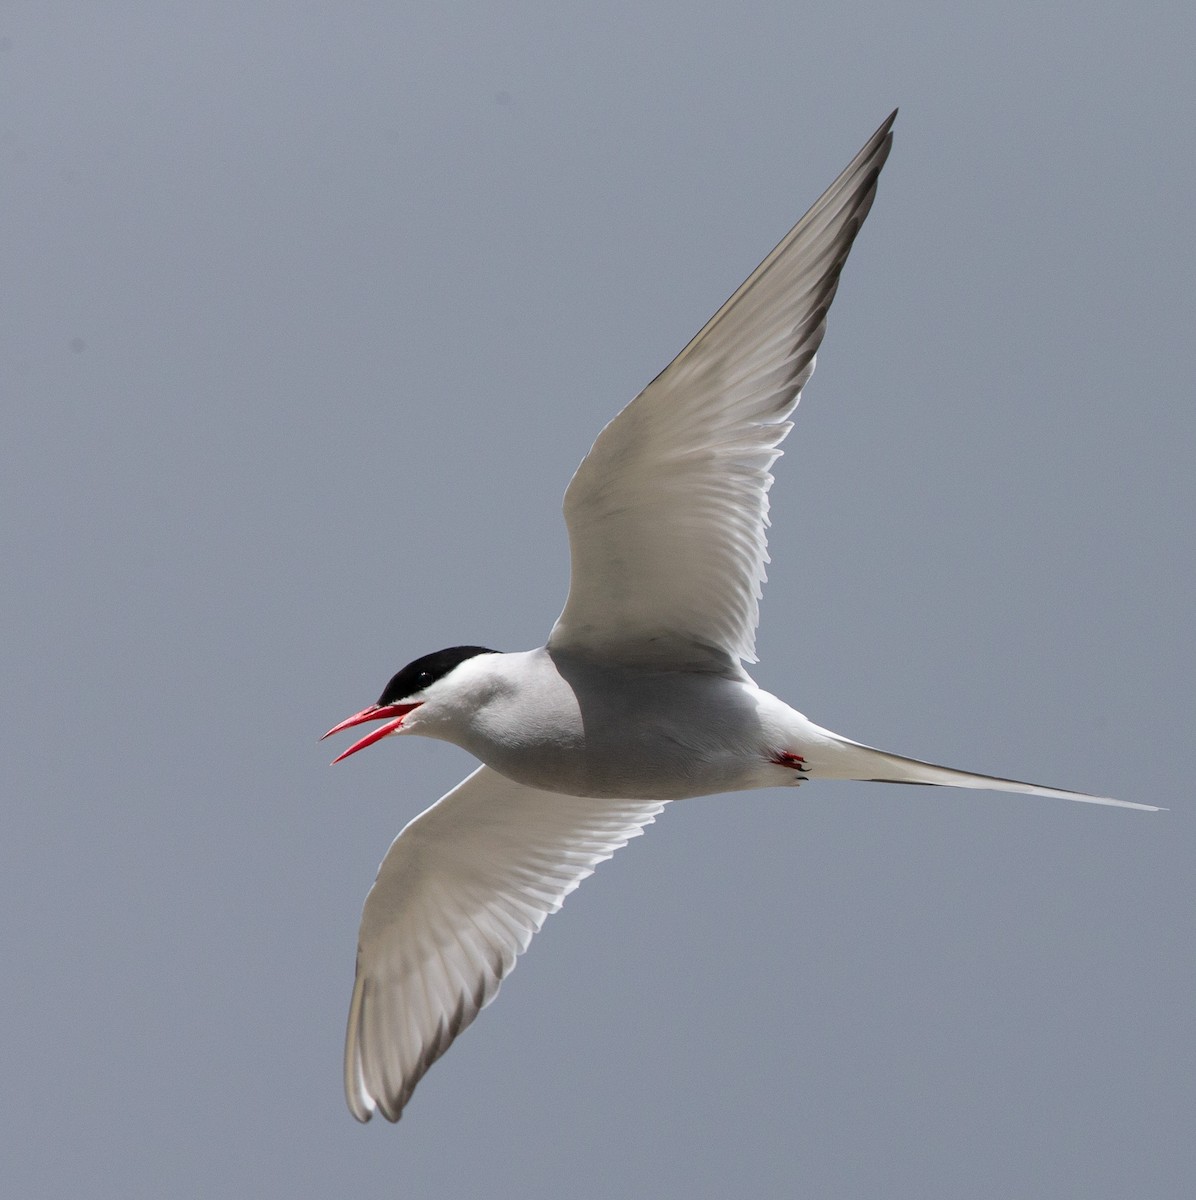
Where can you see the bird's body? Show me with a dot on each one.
(613, 731)
(639, 696)
(607, 730)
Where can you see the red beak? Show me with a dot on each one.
(392, 714)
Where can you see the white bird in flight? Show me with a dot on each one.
(639, 696)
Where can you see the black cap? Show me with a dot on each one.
(424, 672)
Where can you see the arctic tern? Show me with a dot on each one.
(638, 697)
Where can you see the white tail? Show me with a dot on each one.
(867, 763)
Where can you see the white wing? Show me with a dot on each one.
(458, 896)
(667, 512)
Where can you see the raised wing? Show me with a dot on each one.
(460, 893)
(667, 512)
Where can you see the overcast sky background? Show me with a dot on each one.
(309, 313)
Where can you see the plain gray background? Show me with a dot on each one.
(310, 311)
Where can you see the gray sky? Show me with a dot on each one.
(310, 311)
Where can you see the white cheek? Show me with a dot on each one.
(434, 719)
(411, 722)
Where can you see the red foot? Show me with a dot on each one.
(783, 758)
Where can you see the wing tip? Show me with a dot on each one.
(357, 1096)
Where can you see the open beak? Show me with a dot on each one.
(392, 714)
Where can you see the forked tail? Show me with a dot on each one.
(857, 761)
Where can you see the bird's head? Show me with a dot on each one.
(427, 680)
